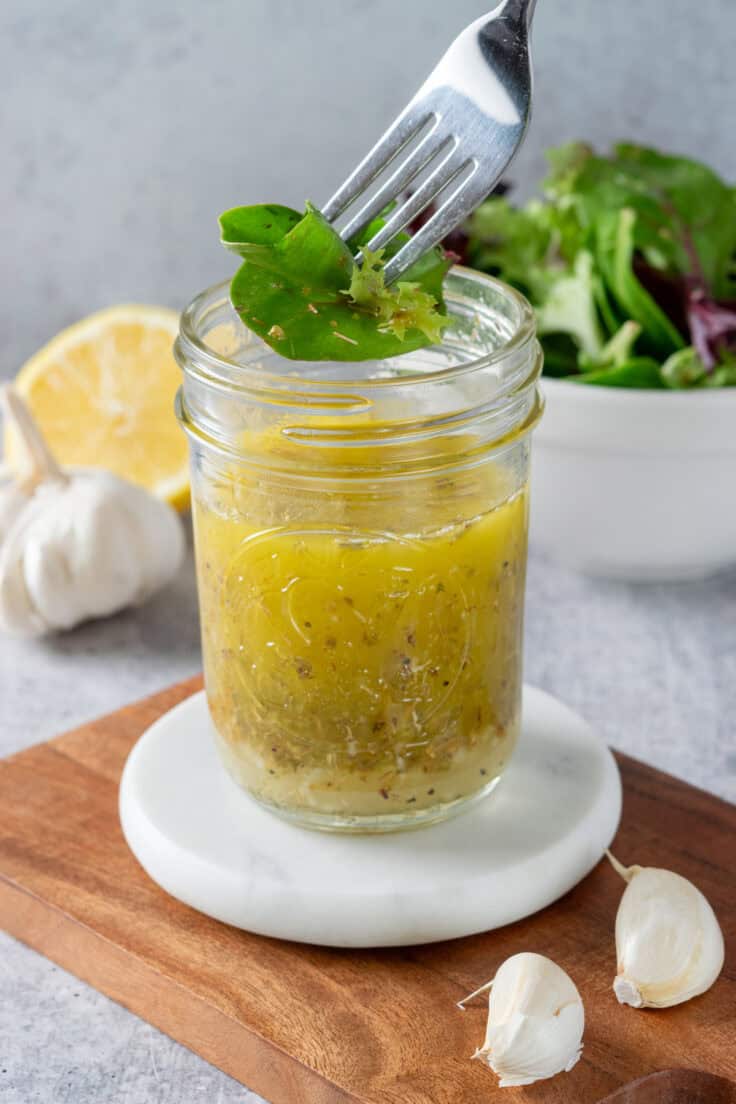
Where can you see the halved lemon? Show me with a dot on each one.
(103, 393)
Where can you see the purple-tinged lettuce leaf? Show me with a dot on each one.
(712, 327)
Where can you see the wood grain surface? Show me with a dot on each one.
(308, 1024)
(676, 1086)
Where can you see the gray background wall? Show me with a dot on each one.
(128, 126)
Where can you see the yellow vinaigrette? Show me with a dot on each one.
(367, 666)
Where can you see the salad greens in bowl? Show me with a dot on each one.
(630, 263)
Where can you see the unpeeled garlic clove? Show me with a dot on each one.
(535, 1021)
(12, 501)
(17, 484)
(669, 946)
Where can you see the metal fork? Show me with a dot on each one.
(469, 117)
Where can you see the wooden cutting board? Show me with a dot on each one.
(307, 1024)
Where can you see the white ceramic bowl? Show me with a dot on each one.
(637, 485)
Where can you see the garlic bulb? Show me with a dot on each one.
(669, 946)
(535, 1021)
(79, 544)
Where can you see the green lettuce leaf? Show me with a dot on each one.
(685, 214)
(528, 247)
(565, 163)
(561, 354)
(722, 376)
(615, 245)
(300, 289)
(617, 350)
(398, 309)
(683, 368)
(642, 372)
(570, 307)
(661, 232)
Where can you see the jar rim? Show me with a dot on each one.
(189, 347)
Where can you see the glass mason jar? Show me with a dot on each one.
(361, 534)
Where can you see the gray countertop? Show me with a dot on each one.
(653, 667)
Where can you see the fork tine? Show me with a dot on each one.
(406, 127)
(452, 164)
(469, 194)
(453, 211)
(427, 149)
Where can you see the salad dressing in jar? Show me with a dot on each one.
(360, 537)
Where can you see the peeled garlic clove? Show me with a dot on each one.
(669, 946)
(535, 1021)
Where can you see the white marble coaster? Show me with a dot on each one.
(207, 843)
